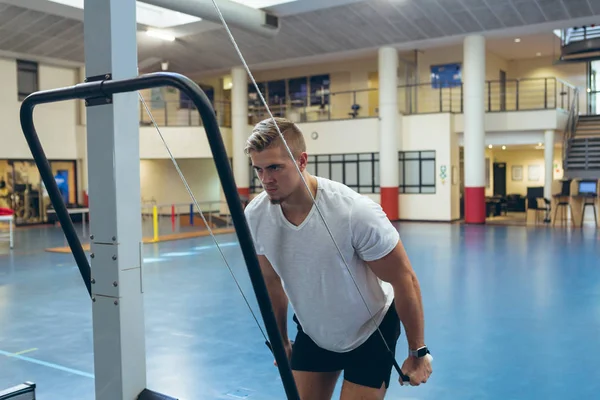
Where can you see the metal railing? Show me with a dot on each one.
(182, 113)
(570, 128)
(500, 96)
(335, 106)
(571, 35)
(172, 218)
(422, 98)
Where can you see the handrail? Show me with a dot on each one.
(514, 94)
(570, 127)
(103, 88)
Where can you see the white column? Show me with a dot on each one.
(239, 128)
(474, 120)
(388, 130)
(115, 210)
(548, 163)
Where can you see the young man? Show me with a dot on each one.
(301, 264)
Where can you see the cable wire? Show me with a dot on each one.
(189, 190)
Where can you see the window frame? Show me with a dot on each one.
(27, 67)
(420, 158)
(317, 161)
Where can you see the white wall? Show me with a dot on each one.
(161, 182)
(519, 121)
(55, 123)
(432, 132)
(184, 142)
(340, 137)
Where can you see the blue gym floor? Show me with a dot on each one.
(511, 313)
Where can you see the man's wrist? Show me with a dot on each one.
(418, 352)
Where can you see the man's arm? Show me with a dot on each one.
(395, 268)
(277, 295)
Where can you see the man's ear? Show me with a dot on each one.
(303, 161)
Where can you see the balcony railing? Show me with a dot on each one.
(181, 113)
(499, 96)
(423, 98)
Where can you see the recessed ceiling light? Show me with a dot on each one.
(503, 147)
(517, 40)
(490, 146)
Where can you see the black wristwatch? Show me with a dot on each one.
(419, 353)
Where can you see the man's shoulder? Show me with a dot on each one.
(256, 205)
(337, 190)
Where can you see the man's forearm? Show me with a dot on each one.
(279, 301)
(410, 309)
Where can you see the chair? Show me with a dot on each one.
(534, 195)
(565, 214)
(587, 204)
(565, 192)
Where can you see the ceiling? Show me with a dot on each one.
(528, 46)
(309, 29)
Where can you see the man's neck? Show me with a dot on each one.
(300, 203)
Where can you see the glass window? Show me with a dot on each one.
(337, 172)
(361, 176)
(276, 92)
(351, 173)
(298, 91)
(319, 90)
(416, 172)
(27, 78)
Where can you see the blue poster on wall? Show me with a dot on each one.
(446, 76)
(62, 181)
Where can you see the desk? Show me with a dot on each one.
(82, 211)
(578, 202)
(9, 219)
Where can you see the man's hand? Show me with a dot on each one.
(417, 369)
(288, 351)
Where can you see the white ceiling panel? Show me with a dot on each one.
(309, 28)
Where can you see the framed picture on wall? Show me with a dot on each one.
(533, 173)
(517, 172)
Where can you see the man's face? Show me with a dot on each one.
(277, 172)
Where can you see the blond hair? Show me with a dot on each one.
(265, 135)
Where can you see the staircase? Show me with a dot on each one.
(580, 44)
(588, 126)
(583, 150)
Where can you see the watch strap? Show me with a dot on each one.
(420, 352)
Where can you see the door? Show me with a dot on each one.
(500, 179)
(502, 90)
(374, 94)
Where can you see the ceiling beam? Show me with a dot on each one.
(235, 14)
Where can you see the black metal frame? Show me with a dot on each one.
(402, 179)
(23, 391)
(106, 88)
(326, 161)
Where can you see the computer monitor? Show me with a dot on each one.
(588, 188)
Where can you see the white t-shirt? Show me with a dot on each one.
(314, 277)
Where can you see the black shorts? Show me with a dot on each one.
(369, 365)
